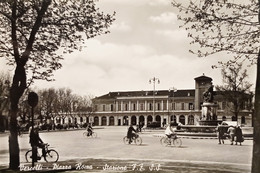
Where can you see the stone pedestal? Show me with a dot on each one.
(209, 111)
(209, 114)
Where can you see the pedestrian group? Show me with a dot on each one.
(234, 133)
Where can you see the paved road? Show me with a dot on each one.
(108, 149)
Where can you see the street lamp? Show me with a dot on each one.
(173, 106)
(154, 80)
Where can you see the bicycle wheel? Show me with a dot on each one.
(28, 156)
(126, 140)
(165, 142)
(51, 156)
(94, 135)
(162, 140)
(85, 134)
(138, 141)
(177, 142)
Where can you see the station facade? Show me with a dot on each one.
(160, 107)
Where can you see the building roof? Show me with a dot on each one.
(203, 78)
(178, 93)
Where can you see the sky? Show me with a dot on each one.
(144, 42)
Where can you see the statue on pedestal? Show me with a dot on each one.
(208, 95)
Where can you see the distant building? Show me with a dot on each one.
(182, 106)
(160, 107)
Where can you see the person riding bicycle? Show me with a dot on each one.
(89, 129)
(36, 141)
(130, 133)
(170, 131)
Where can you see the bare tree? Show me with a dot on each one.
(231, 27)
(47, 99)
(31, 33)
(235, 89)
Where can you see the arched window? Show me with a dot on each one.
(182, 119)
(141, 120)
(96, 121)
(125, 120)
(104, 121)
(111, 121)
(133, 120)
(173, 118)
(149, 119)
(158, 118)
(81, 119)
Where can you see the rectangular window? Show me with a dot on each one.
(182, 106)
(119, 106)
(158, 106)
(134, 107)
(126, 107)
(191, 106)
(104, 107)
(141, 106)
(112, 107)
(164, 105)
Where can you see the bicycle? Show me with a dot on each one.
(173, 141)
(88, 134)
(50, 156)
(136, 138)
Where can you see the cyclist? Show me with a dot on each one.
(130, 133)
(170, 131)
(89, 129)
(36, 141)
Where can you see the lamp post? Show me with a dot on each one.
(153, 81)
(173, 107)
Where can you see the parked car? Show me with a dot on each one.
(155, 124)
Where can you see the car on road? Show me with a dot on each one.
(155, 124)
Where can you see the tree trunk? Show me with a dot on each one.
(16, 91)
(14, 151)
(256, 144)
(256, 116)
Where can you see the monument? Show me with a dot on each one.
(209, 109)
(205, 104)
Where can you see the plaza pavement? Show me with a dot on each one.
(143, 165)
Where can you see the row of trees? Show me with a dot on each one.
(57, 103)
(53, 102)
